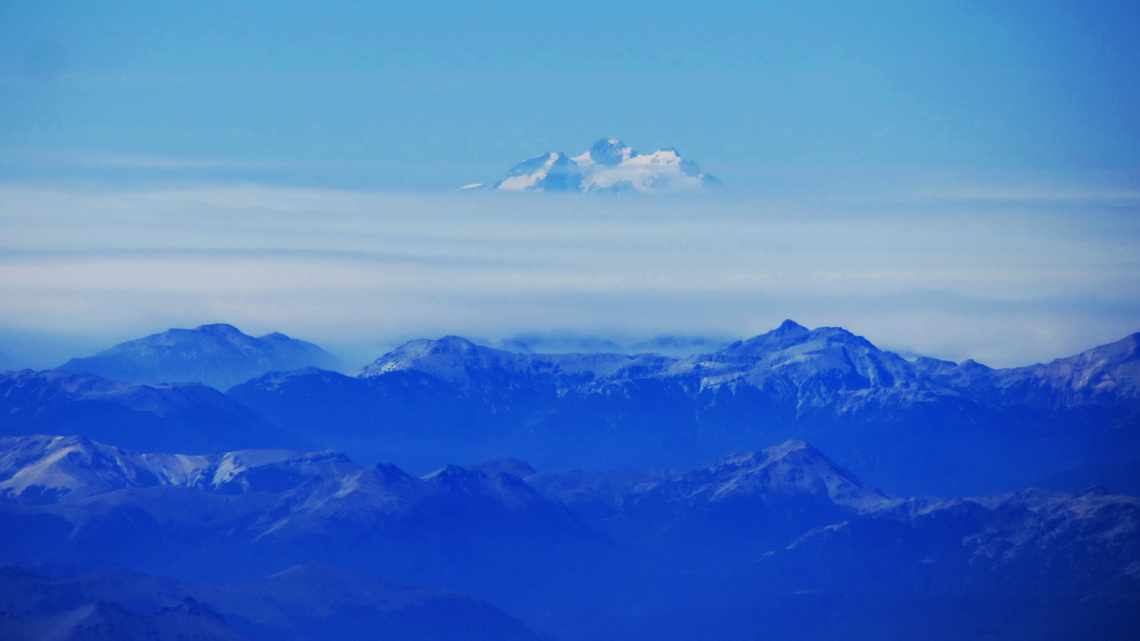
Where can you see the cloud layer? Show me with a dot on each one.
(1004, 281)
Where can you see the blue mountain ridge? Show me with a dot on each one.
(914, 427)
(627, 518)
(699, 546)
(217, 355)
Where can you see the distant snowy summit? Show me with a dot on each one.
(609, 166)
(218, 355)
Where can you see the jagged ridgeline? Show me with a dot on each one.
(450, 490)
(255, 543)
(921, 426)
(911, 426)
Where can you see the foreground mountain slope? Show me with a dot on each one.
(218, 355)
(102, 621)
(652, 553)
(802, 549)
(740, 506)
(797, 516)
(222, 516)
(791, 470)
(1032, 541)
(303, 603)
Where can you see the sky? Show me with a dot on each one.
(957, 179)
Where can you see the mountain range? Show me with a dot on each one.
(921, 426)
(187, 417)
(698, 546)
(911, 426)
(609, 166)
(296, 604)
(455, 490)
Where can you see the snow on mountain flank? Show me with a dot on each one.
(218, 355)
(608, 166)
(40, 468)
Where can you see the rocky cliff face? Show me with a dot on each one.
(169, 417)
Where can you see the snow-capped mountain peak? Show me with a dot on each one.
(792, 468)
(607, 152)
(219, 355)
(38, 468)
(609, 165)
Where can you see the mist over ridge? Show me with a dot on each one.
(359, 272)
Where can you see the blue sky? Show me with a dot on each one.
(960, 179)
(423, 94)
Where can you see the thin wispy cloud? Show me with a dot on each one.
(367, 268)
(101, 160)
